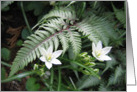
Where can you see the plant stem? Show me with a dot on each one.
(51, 79)
(59, 81)
(25, 18)
(6, 64)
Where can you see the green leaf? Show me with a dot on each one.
(31, 84)
(5, 4)
(91, 70)
(21, 75)
(19, 43)
(110, 64)
(25, 33)
(118, 72)
(87, 81)
(120, 15)
(36, 6)
(75, 40)
(3, 73)
(5, 54)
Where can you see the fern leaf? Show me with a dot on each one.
(120, 14)
(118, 72)
(86, 29)
(31, 50)
(102, 28)
(87, 81)
(64, 13)
(75, 40)
(64, 41)
(102, 87)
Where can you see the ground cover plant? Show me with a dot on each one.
(63, 46)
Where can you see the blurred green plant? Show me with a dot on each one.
(31, 84)
(5, 5)
(5, 54)
(74, 29)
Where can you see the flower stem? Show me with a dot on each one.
(59, 80)
(51, 79)
(25, 18)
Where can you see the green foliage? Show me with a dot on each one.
(37, 7)
(88, 61)
(19, 43)
(25, 33)
(60, 25)
(3, 73)
(18, 76)
(5, 5)
(5, 54)
(87, 81)
(72, 26)
(31, 85)
(120, 15)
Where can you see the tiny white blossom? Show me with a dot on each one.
(100, 53)
(49, 57)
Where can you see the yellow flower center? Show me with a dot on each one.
(49, 56)
(98, 53)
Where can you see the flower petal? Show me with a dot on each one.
(50, 49)
(43, 59)
(104, 57)
(99, 45)
(48, 64)
(106, 50)
(94, 54)
(56, 61)
(93, 47)
(43, 51)
(57, 53)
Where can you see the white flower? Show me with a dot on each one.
(100, 53)
(49, 57)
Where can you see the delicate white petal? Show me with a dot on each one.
(93, 54)
(106, 50)
(48, 64)
(105, 57)
(100, 59)
(56, 61)
(93, 46)
(42, 58)
(99, 45)
(50, 50)
(43, 51)
(57, 53)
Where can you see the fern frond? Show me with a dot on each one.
(64, 41)
(103, 87)
(75, 40)
(64, 13)
(103, 28)
(118, 72)
(120, 15)
(87, 81)
(86, 29)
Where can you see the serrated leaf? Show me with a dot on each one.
(88, 81)
(118, 72)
